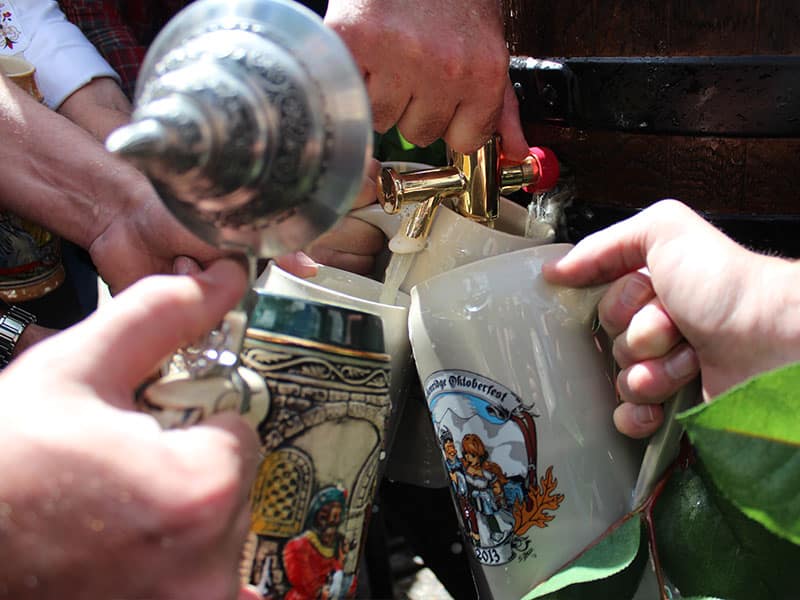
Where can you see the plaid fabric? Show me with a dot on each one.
(121, 30)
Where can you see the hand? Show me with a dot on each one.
(703, 302)
(140, 237)
(436, 68)
(97, 501)
(352, 244)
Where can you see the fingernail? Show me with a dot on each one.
(635, 293)
(682, 364)
(644, 414)
(182, 265)
(304, 259)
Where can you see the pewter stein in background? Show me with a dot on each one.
(252, 121)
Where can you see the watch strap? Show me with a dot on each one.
(13, 321)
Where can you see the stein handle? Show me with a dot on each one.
(209, 380)
(663, 447)
(179, 400)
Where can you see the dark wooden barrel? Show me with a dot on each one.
(698, 101)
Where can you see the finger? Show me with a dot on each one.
(481, 101)
(369, 190)
(623, 247)
(223, 451)
(471, 126)
(388, 99)
(352, 246)
(653, 381)
(298, 263)
(650, 335)
(353, 263)
(509, 127)
(426, 119)
(638, 420)
(135, 331)
(248, 592)
(351, 235)
(624, 298)
(219, 459)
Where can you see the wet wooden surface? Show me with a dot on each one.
(721, 175)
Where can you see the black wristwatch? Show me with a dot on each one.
(13, 321)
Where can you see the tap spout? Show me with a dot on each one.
(396, 190)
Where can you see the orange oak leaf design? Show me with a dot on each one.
(540, 498)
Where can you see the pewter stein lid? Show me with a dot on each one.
(252, 121)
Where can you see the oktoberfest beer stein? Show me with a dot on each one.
(454, 240)
(521, 395)
(253, 123)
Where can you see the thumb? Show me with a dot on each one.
(134, 332)
(625, 246)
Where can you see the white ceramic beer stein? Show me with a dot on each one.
(455, 240)
(521, 398)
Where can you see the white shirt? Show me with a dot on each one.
(64, 59)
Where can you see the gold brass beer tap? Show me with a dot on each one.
(471, 184)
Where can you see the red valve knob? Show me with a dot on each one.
(548, 170)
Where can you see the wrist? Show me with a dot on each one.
(780, 308)
(14, 322)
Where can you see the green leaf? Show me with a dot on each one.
(707, 547)
(391, 146)
(404, 143)
(611, 555)
(749, 440)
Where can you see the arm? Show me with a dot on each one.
(104, 26)
(81, 518)
(57, 175)
(704, 302)
(99, 107)
(436, 68)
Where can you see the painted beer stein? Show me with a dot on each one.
(520, 394)
(327, 376)
(342, 288)
(30, 255)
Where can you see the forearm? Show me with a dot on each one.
(99, 107)
(56, 174)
